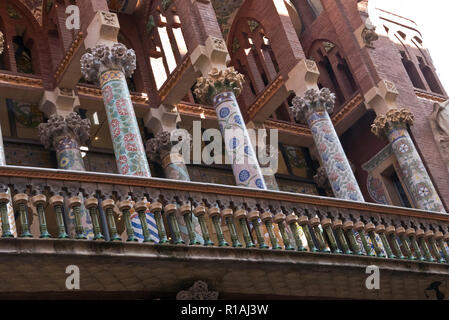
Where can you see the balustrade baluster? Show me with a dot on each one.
(338, 227)
(141, 208)
(315, 224)
(39, 201)
(200, 213)
(21, 200)
(125, 207)
(240, 215)
(186, 212)
(57, 203)
(429, 235)
(91, 205)
(439, 239)
(156, 210)
(75, 205)
(170, 210)
(303, 221)
(214, 214)
(359, 226)
(327, 223)
(348, 227)
(391, 234)
(411, 234)
(420, 235)
(292, 221)
(6, 228)
(254, 217)
(267, 218)
(400, 232)
(369, 228)
(279, 219)
(380, 230)
(227, 215)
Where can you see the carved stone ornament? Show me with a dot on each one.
(102, 58)
(321, 178)
(439, 122)
(161, 146)
(218, 81)
(395, 118)
(71, 125)
(369, 35)
(313, 101)
(199, 291)
(2, 42)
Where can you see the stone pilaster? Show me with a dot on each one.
(110, 65)
(65, 135)
(315, 108)
(159, 149)
(220, 88)
(393, 125)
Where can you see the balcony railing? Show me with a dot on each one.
(228, 216)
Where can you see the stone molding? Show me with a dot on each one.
(218, 81)
(102, 58)
(313, 101)
(199, 291)
(395, 118)
(58, 125)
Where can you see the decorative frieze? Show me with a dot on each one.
(218, 81)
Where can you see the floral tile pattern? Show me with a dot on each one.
(246, 170)
(415, 175)
(333, 157)
(128, 146)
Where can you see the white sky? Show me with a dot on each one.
(433, 21)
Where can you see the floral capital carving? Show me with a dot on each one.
(395, 118)
(103, 58)
(58, 126)
(218, 81)
(199, 291)
(161, 146)
(313, 101)
(369, 35)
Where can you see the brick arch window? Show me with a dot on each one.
(412, 71)
(430, 77)
(253, 56)
(166, 45)
(335, 72)
(22, 38)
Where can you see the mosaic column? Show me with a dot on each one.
(65, 135)
(159, 149)
(110, 66)
(393, 125)
(220, 89)
(315, 108)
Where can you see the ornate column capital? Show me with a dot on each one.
(313, 101)
(58, 125)
(159, 147)
(102, 58)
(394, 119)
(218, 81)
(2, 42)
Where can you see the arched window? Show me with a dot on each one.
(335, 72)
(429, 76)
(412, 72)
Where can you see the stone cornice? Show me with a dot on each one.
(347, 108)
(207, 188)
(21, 80)
(174, 77)
(266, 95)
(288, 127)
(430, 96)
(69, 56)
